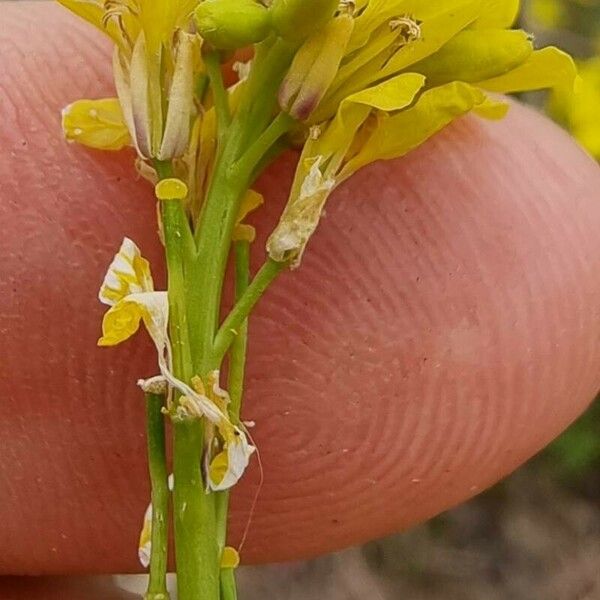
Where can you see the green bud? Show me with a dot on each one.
(314, 68)
(297, 19)
(476, 55)
(232, 24)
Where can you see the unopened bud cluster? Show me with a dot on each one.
(233, 24)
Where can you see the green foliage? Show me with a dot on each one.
(577, 451)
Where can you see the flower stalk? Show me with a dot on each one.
(348, 83)
(157, 465)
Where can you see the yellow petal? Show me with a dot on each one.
(128, 273)
(160, 19)
(580, 112)
(441, 21)
(145, 543)
(96, 124)
(252, 200)
(499, 13)
(476, 55)
(547, 68)
(374, 14)
(123, 319)
(228, 466)
(399, 134)
(437, 22)
(114, 19)
(120, 323)
(218, 468)
(93, 12)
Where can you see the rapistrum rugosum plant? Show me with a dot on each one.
(347, 83)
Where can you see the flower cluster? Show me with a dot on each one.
(374, 81)
(347, 82)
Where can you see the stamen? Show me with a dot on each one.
(347, 7)
(409, 29)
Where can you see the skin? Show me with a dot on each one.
(442, 329)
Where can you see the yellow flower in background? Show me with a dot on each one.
(155, 63)
(409, 68)
(580, 112)
(549, 13)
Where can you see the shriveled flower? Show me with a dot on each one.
(155, 64)
(409, 68)
(129, 291)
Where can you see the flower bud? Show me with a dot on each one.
(232, 24)
(475, 55)
(297, 19)
(314, 68)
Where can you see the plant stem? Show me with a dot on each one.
(196, 551)
(237, 364)
(237, 357)
(255, 153)
(228, 587)
(228, 185)
(220, 95)
(195, 288)
(230, 328)
(157, 464)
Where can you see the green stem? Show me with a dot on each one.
(220, 95)
(228, 185)
(230, 328)
(228, 587)
(195, 288)
(196, 551)
(235, 384)
(255, 154)
(157, 463)
(237, 357)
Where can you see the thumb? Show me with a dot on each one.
(442, 329)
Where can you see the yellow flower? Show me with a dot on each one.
(154, 63)
(409, 68)
(580, 112)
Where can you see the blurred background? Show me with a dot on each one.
(536, 535)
